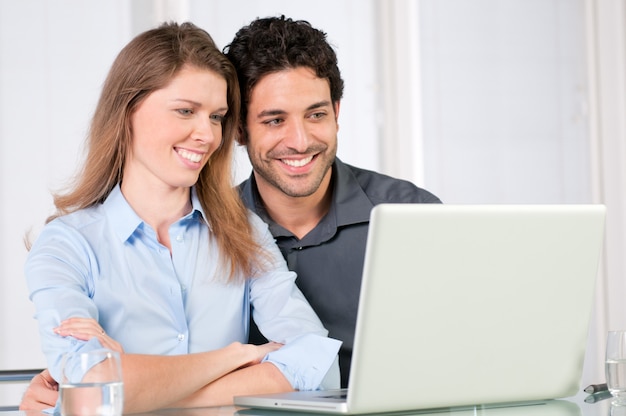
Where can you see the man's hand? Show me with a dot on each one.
(42, 392)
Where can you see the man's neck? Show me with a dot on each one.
(299, 215)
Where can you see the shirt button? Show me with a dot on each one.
(181, 337)
(180, 238)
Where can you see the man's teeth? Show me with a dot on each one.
(297, 163)
(193, 157)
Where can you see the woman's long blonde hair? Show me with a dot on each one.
(146, 64)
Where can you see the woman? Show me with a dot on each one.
(152, 251)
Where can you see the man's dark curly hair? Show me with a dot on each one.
(272, 44)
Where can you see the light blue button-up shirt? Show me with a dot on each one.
(105, 263)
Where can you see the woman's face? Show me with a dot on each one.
(176, 129)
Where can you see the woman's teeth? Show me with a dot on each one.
(193, 157)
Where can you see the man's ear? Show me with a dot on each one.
(336, 106)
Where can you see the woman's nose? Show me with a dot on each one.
(205, 130)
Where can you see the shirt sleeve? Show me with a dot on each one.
(283, 315)
(306, 361)
(58, 278)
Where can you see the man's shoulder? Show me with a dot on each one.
(243, 185)
(245, 192)
(381, 188)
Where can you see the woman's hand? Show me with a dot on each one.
(85, 329)
(258, 352)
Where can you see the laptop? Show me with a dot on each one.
(466, 305)
(543, 408)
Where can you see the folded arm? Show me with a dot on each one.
(147, 390)
(156, 381)
(152, 381)
(256, 379)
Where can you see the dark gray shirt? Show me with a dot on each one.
(329, 259)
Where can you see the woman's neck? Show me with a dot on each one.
(158, 206)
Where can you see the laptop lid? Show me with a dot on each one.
(470, 304)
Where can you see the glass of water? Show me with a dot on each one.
(91, 384)
(616, 366)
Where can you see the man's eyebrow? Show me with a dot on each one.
(278, 112)
(270, 113)
(324, 103)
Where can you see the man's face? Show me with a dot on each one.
(292, 132)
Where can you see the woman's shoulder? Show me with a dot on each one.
(81, 219)
(86, 223)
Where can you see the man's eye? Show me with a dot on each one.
(273, 122)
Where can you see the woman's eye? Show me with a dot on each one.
(272, 122)
(185, 111)
(218, 118)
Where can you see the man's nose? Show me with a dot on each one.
(296, 136)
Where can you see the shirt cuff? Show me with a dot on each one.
(305, 361)
(91, 345)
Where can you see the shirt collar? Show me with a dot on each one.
(350, 201)
(196, 206)
(125, 221)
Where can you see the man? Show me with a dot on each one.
(316, 206)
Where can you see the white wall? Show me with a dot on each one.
(54, 58)
(505, 100)
(606, 45)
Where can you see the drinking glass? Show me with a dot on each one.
(617, 410)
(616, 366)
(91, 384)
